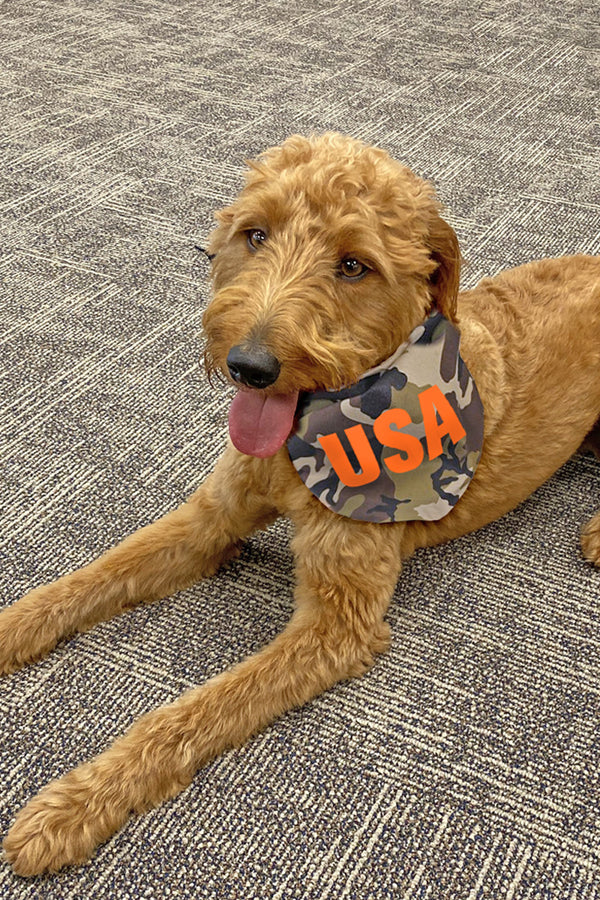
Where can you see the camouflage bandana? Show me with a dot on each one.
(403, 442)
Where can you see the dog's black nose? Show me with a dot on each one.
(253, 366)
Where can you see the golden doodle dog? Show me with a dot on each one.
(335, 289)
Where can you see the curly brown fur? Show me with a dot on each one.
(531, 338)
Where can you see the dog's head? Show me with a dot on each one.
(330, 256)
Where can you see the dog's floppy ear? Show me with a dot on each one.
(445, 279)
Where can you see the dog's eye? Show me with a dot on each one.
(256, 238)
(352, 268)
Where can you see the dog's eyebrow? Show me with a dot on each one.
(367, 247)
(210, 256)
(249, 219)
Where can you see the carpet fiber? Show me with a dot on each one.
(464, 765)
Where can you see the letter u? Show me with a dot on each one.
(369, 467)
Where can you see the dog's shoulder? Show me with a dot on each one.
(481, 353)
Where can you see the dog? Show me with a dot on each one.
(332, 257)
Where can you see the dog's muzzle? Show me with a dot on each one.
(253, 366)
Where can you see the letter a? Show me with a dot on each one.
(433, 401)
(369, 467)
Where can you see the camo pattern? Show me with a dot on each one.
(431, 356)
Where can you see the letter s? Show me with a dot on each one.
(387, 431)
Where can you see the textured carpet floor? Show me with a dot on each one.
(465, 764)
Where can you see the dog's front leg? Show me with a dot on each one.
(172, 553)
(346, 576)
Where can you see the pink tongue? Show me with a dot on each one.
(259, 425)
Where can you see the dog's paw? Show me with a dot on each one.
(590, 540)
(62, 826)
(49, 833)
(17, 644)
(30, 628)
(44, 838)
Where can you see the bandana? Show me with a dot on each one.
(403, 442)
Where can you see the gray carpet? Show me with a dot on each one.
(465, 764)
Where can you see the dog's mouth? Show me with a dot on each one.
(260, 423)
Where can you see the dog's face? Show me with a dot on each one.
(327, 260)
